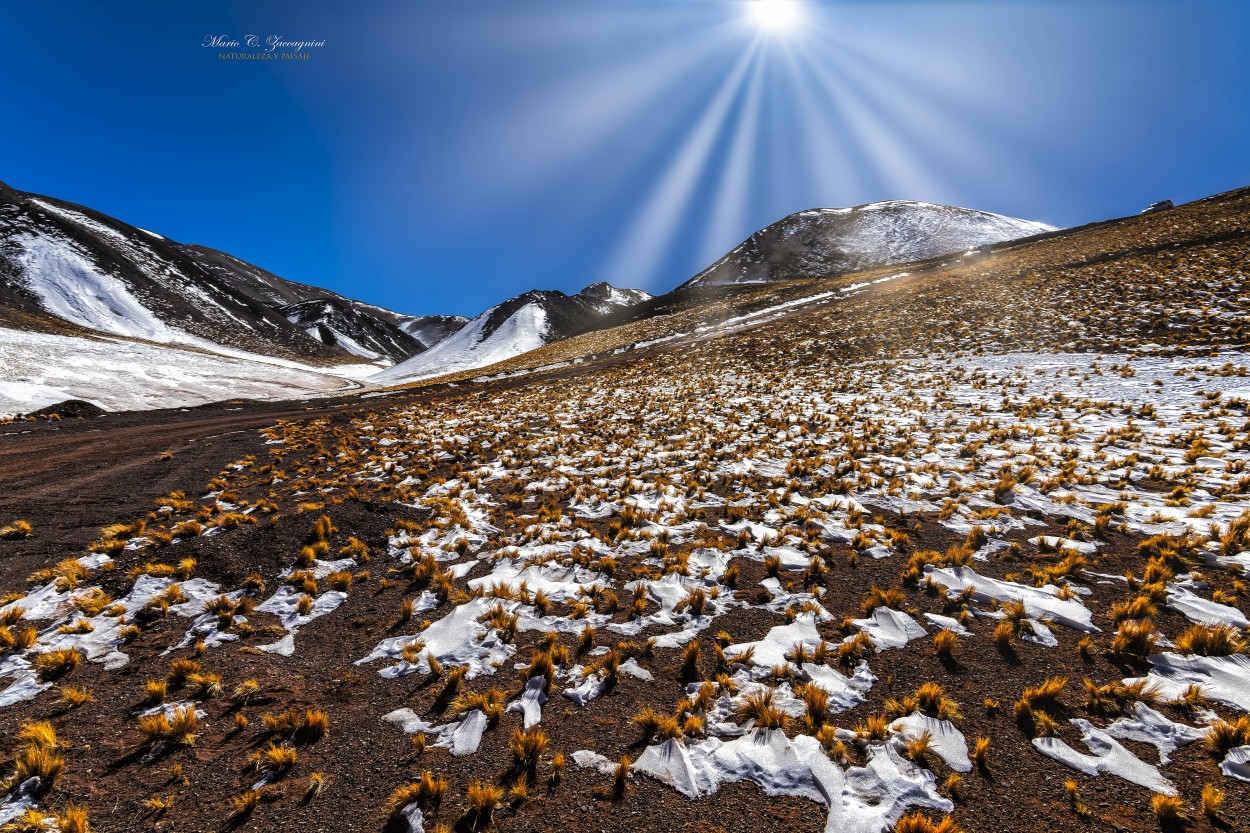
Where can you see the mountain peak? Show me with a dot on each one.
(826, 242)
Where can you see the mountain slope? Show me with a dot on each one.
(431, 329)
(79, 269)
(518, 325)
(343, 324)
(826, 242)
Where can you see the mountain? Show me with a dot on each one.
(340, 323)
(516, 326)
(827, 242)
(431, 329)
(67, 267)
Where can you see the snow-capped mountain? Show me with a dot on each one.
(827, 242)
(77, 270)
(608, 298)
(516, 326)
(431, 329)
(337, 322)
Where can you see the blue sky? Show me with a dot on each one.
(442, 156)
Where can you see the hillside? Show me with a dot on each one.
(960, 543)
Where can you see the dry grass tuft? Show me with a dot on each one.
(481, 798)
(427, 791)
(15, 530)
(916, 822)
(1212, 801)
(1169, 809)
(528, 747)
(945, 642)
(57, 663)
(1135, 638)
(1208, 641)
(1224, 735)
(758, 706)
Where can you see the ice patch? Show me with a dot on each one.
(890, 628)
(1107, 756)
(1197, 609)
(946, 741)
(1039, 602)
(1236, 763)
(530, 704)
(1222, 679)
(1148, 726)
(285, 605)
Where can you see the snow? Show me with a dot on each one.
(284, 604)
(1039, 602)
(1223, 679)
(16, 802)
(1148, 726)
(867, 236)
(1107, 755)
(456, 639)
(467, 736)
(471, 347)
(589, 759)
(462, 737)
(40, 369)
(890, 628)
(1057, 543)
(1197, 609)
(948, 622)
(530, 704)
(588, 688)
(1236, 763)
(864, 799)
(69, 285)
(780, 641)
(946, 741)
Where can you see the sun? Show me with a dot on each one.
(776, 15)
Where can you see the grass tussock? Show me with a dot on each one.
(16, 530)
(1117, 695)
(528, 747)
(275, 759)
(917, 822)
(758, 707)
(57, 663)
(1224, 735)
(1212, 801)
(489, 702)
(930, 699)
(1210, 641)
(427, 792)
(892, 598)
(481, 798)
(37, 756)
(945, 642)
(1037, 706)
(1135, 639)
(1169, 809)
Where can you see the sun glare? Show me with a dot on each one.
(775, 15)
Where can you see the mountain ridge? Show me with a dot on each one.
(97, 272)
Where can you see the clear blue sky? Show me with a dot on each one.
(442, 156)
